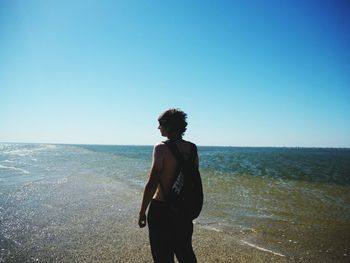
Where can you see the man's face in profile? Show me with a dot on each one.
(163, 130)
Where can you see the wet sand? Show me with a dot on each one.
(94, 219)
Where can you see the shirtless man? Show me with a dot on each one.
(168, 234)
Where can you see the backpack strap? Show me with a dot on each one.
(175, 151)
(179, 157)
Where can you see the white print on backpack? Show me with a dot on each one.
(177, 186)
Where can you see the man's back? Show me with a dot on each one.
(168, 167)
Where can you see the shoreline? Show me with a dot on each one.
(89, 218)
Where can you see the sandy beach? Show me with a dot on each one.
(94, 219)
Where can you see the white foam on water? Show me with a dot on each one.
(62, 181)
(213, 229)
(7, 161)
(262, 249)
(49, 146)
(208, 226)
(21, 150)
(14, 169)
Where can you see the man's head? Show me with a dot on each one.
(173, 121)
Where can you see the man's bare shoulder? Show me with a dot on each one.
(160, 148)
(160, 145)
(190, 143)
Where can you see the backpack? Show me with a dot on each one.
(186, 194)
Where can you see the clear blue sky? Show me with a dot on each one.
(248, 73)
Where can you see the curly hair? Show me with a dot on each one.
(174, 120)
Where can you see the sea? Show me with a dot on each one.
(291, 202)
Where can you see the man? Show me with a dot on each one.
(169, 234)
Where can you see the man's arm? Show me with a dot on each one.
(152, 184)
(196, 159)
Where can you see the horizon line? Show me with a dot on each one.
(233, 146)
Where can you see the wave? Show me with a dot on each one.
(262, 248)
(24, 149)
(7, 161)
(14, 169)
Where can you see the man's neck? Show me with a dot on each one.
(175, 138)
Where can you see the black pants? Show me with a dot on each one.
(169, 234)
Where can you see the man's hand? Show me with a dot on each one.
(142, 220)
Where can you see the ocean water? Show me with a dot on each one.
(293, 202)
